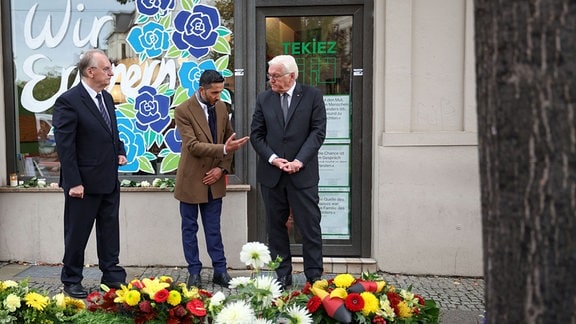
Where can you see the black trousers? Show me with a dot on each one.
(79, 218)
(306, 214)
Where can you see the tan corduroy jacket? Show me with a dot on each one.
(199, 153)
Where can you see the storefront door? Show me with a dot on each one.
(330, 47)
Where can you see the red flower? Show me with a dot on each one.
(204, 293)
(378, 320)
(313, 304)
(420, 299)
(306, 288)
(161, 296)
(196, 307)
(145, 306)
(110, 295)
(178, 312)
(354, 302)
(137, 284)
(95, 298)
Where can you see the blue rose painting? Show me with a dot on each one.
(162, 33)
(189, 74)
(153, 7)
(196, 31)
(133, 143)
(152, 110)
(151, 39)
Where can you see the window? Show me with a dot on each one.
(158, 52)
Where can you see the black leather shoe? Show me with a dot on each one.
(222, 279)
(114, 284)
(76, 291)
(285, 281)
(194, 280)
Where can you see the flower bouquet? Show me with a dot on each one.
(151, 300)
(368, 299)
(259, 298)
(21, 304)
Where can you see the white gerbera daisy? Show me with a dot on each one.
(238, 312)
(237, 282)
(255, 254)
(299, 315)
(271, 285)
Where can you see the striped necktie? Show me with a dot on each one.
(103, 111)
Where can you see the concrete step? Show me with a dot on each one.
(340, 265)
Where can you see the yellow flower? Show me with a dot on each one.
(152, 286)
(371, 303)
(189, 294)
(121, 294)
(36, 301)
(321, 284)
(339, 292)
(167, 279)
(174, 298)
(344, 280)
(132, 297)
(404, 311)
(74, 303)
(12, 302)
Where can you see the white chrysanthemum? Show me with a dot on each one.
(238, 312)
(10, 284)
(145, 184)
(237, 282)
(157, 182)
(255, 254)
(299, 315)
(11, 303)
(269, 284)
(262, 321)
(217, 299)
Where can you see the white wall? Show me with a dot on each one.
(31, 228)
(426, 192)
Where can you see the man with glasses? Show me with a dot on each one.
(90, 151)
(288, 128)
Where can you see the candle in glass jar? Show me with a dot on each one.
(13, 180)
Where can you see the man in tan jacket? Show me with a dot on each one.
(208, 143)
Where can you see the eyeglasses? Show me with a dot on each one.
(276, 77)
(106, 69)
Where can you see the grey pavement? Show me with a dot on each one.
(461, 300)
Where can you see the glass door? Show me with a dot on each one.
(326, 42)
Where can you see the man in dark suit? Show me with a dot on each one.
(288, 128)
(90, 151)
(208, 144)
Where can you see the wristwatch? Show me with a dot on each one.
(223, 170)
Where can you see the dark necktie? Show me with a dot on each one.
(285, 105)
(212, 122)
(103, 111)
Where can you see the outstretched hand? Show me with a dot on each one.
(232, 144)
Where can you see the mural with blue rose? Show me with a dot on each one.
(186, 36)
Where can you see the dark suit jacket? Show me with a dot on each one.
(199, 152)
(87, 149)
(299, 139)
